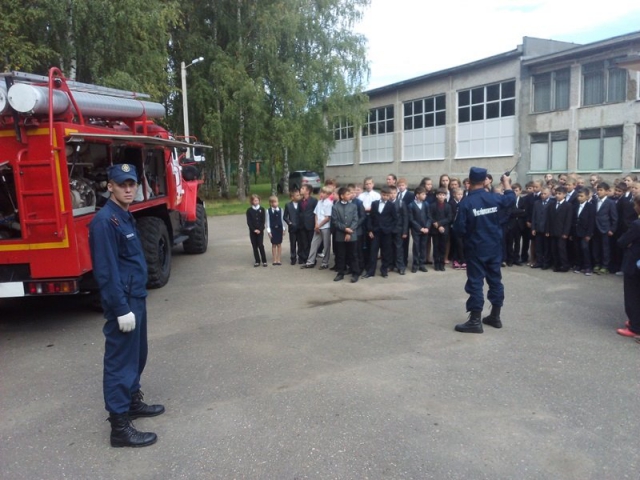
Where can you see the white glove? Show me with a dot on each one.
(127, 322)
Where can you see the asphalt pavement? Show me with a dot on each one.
(281, 373)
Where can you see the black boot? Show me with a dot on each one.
(140, 409)
(494, 318)
(124, 434)
(473, 325)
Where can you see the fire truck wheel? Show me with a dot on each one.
(199, 236)
(157, 250)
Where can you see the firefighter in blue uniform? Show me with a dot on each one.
(120, 270)
(478, 222)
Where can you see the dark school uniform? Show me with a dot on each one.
(630, 243)
(402, 229)
(381, 225)
(457, 248)
(419, 218)
(275, 225)
(559, 221)
(407, 197)
(291, 218)
(343, 216)
(441, 214)
(307, 224)
(583, 225)
(256, 219)
(606, 221)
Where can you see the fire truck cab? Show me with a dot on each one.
(57, 138)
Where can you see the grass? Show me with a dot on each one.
(233, 206)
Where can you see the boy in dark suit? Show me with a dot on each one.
(559, 223)
(584, 222)
(420, 222)
(407, 196)
(515, 227)
(307, 220)
(606, 224)
(291, 218)
(361, 227)
(457, 246)
(382, 221)
(441, 217)
(400, 233)
(538, 221)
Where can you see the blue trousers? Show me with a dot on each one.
(125, 356)
(479, 269)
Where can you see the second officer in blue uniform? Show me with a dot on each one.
(478, 223)
(120, 270)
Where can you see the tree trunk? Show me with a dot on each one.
(274, 180)
(285, 172)
(70, 72)
(223, 179)
(241, 191)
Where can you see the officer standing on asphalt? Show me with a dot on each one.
(120, 270)
(478, 223)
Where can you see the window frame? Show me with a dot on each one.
(605, 70)
(556, 78)
(438, 115)
(344, 128)
(482, 98)
(550, 138)
(602, 134)
(379, 118)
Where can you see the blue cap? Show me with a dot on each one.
(122, 172)
(477, 174)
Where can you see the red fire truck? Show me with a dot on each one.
(57, 138)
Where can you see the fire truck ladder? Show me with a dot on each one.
(38, 169)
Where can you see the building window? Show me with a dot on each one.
(492, 101)
(551, 91)
(603, 82)
(600, 149)
(379, 121)
(344, 149)
(486, 120)
(549, 151)
(424, 129)
(425, 113)
(342, 129)
(377, 136)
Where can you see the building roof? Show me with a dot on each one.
(587, 49)
(495, 59)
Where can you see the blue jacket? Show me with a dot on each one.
(119, 266)
(478, 221)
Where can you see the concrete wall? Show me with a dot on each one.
(579, 117)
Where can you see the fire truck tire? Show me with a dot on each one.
(157, 250)
(198, 237)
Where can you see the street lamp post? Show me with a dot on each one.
(185, 105)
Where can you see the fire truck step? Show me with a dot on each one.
(179, 239)
(37, 193)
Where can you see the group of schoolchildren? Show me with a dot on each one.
(558, 224)
(565, 225)
(362, 226)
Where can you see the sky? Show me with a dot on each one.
(409, 38)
